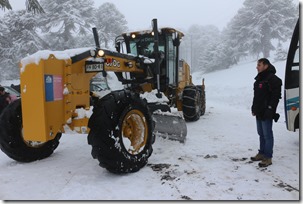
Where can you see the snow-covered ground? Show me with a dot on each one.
(213, 164)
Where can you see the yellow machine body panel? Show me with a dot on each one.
(76, 95)
(119, 64)
(54, 89)
(184, 75)
(42, 99)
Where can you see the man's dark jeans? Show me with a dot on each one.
(264, 128)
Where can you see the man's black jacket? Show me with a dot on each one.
(267, 92)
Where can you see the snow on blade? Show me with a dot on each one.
(152, 98)
(173, 113)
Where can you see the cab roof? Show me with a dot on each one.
(165, 30)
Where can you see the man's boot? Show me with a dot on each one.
(258, 157)
(265, 162)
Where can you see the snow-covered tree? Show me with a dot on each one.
(110, 23)
(31, 5)
(258, 22)
(4, 37)
(21, 39)
(218, 56)
(4, 4)
(190, 41)
(64, 20)
(200, 39)
(5, 44)
(281, 54)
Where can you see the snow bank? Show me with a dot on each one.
(234, 86)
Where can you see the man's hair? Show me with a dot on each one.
(2, 88)
(264, 61)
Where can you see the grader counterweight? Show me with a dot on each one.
(123, 123)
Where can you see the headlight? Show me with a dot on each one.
(101, 53)
(133, 36)
(93, 53)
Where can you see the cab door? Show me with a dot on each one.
(171, 56)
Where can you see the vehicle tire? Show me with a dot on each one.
(203, 99)
(11, 138)
(121, 132)
(191, 103)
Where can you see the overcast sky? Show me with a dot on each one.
(177, 13)
(172, 13)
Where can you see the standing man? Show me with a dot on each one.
(267, 93)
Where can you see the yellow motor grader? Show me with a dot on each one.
(121, 129)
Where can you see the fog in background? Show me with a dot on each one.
(173, 13)
(177, 13)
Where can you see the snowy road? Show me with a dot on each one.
(213, 164)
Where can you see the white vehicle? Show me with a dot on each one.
(291, 87)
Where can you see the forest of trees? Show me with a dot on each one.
(250, 32)
(62, 25)
(57, 25)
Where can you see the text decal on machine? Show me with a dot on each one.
(53, 87)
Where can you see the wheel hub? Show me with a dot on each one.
(134, 131)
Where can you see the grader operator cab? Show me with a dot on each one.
(122, 126)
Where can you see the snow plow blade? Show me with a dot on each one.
(168, 126)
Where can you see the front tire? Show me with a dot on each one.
(12, 142)
(121, 132)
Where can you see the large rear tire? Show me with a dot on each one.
(12, 142)
(203, 99)
(121, 132)
(191, 103)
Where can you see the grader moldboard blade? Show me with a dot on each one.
(170, 126)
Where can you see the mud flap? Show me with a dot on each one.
(170, 126)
